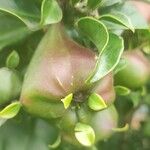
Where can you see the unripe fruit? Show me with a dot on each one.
(59, 67)
(10, 85)
(102, 122)
(136, 72)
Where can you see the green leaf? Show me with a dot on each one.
(95, 30)
(25, 10)
(106, 3)
(93, 4)
(109, 58)
(96, 102)
(29, 13)
(127, 8)
(67, 100)
(13, 60)
(11, 30)
(56, 143)
(50, 12)
(84, 134)
(121, 90)
(123, 129)
(10, 111)
(118, 18)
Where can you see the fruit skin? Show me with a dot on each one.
(105, 88)
(10, 85)
(101, 121)
(59, 67)
(137, 71)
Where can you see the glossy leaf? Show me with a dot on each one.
(10, 111)
(50, 12)
(12, 60)
(96, 102)
(121, 90)
(84, 134)
(67, 100)
(28, 12)
(109, 58)
(95, 30)
(24, 10)
(11, 30)
(118, 18)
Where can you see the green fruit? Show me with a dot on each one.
(68, 121)
(10, 85)
(102, 122)
(136, 72)
(59, 67)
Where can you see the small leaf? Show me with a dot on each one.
(96, 102)
(123, 129)
(109, 58)
(50, 12)
(95, 30)
(118, 18)
(121, 90)
(67, 100)
(84, 134)
(12, 60)
(56, 143)
(10, 111)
